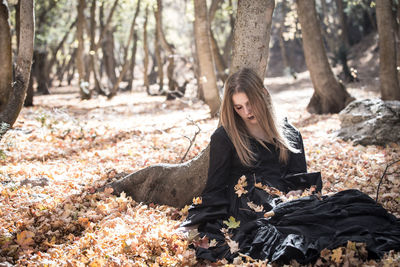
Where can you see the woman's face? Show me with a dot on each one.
(242, 107)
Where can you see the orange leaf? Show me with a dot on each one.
(24, 239)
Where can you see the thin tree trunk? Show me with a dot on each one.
(71, 66)
(227, 49)
(53, 59)
(6, 71)
(329, 95)
(166, 46)
(157, 51)
(343, 22)
(219, 62)
(38, 70)
(146, 53)
(9, 111)
(28, 102)
(106, 26)
(92, 54)
(342, 51)
(204, 53)
(108, 51)
(125, 66)
(80, 57)
(282, 45)
(133, 62)
(388, 77)
(177, 184)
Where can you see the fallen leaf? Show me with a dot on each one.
(25, 239)
(232, 223)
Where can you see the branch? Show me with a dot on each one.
(191, 140)
(383, 175)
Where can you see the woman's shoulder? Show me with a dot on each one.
(289, 130)
(220, 134)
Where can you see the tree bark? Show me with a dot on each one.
(219, 62)
(166, 46)
(53, 59)
(157, 52)
(107, 46)
(93, 67)
(227, 49)
(251, 21)
(206, 65)
(80, 61)
(329, 95)
(389, 82)
(146, 53)
(133, 62)
(105, 27)
(343, 49)
(282, 45)
(10, 110)
(125, 66)
(177, 184)
(6, 71)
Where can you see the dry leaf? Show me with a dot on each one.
(232, 223)
(256, 208)
(25, 239)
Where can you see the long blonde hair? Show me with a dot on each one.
(247, 81)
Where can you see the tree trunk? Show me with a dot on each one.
(329, 95)
(40, 64)
(207, 74)
(146, 53)
(133, 62)
(53, 59)
(105, 27)
(125, 66)
(342, 51)
(28, 102)
(157, 52)
(107, 46)
(220, 64)
(70, 69)
(166, 46)
(9, 111)
(177, 184)
(250, 22)
(343, 22)
(80, 58)
(282, 46)
(93, 68)
(6, 70)
(227, 49)
(387, 51)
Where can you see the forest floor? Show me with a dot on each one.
(62, 149)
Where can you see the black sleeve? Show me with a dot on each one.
(220, 162)
(297, 161)
(215, 203)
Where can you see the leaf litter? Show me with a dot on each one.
(62, 149)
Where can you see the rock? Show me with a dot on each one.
(371, 122)
(42, 181)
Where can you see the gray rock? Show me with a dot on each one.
(42, 181)
(371, 122)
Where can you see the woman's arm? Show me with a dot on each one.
(297, 161)
(214, 202)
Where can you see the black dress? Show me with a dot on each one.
(300, 228)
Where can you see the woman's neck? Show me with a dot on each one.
(256, 131)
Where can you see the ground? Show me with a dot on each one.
(62, 149)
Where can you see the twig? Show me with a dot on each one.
(191, 140)
(383, 175)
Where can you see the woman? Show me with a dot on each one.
(256, 166)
